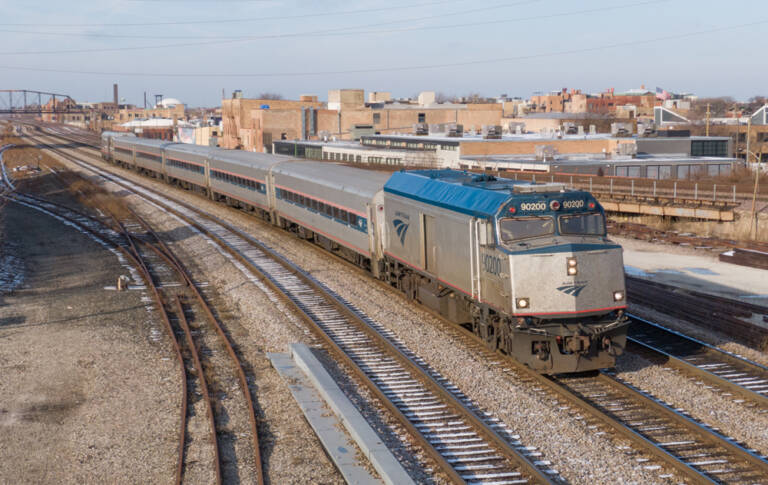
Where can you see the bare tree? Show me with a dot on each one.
(475, 98)
(441, 97)
(755, 103)
(268, 95)
(718, 106)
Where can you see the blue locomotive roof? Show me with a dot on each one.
(474, 194)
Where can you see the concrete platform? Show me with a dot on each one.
(327, 409)
(698, 270)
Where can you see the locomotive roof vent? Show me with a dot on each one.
(538, 188)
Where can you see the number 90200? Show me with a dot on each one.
(573, 204)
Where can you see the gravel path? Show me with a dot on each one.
(89, 389)
(581, 455)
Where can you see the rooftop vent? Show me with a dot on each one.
(626, 149)
(455, 130)
(421, 129)
(516, 127)
(545, 152)
(621, 129)
(538, 188)
(492, 132)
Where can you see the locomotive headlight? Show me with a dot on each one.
(523, 303)
(572, 267)
(618, 295)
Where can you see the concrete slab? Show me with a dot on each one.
(323, 421)
(382, 459)
(697, 270)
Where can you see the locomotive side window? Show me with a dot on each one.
(586, 224)
(512, 229)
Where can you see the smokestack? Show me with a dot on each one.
(145, 100)
(114, 94)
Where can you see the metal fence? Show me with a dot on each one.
(668, 189)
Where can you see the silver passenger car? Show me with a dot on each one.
(149, 154)
(187, 163)
(242, 176)
(332, 200)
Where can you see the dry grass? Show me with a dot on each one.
(738, 230)
(743, 175)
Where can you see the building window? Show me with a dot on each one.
(376, 118)
(709, 148)
(422, 117)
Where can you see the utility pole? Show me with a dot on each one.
(708, 113)
(754, 192)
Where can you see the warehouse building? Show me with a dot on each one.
(657, 157)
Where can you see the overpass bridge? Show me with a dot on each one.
(25, 101)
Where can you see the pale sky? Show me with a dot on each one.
(191, 49)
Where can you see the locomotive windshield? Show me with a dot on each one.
(512, 229)
(583, 224)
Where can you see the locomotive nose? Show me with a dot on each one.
(569, 283)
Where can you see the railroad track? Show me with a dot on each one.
(185, 310)
(680, 443)
(747, 381)
(694, 450)
(660, 435)
(190, 301)
(719, 314)
(466, 444)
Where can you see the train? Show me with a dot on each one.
(527, 267)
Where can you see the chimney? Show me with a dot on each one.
(114, 94)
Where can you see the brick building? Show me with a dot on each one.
(253, 124)
(641, 100)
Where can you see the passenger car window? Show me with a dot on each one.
(585, 224)
(513, 229)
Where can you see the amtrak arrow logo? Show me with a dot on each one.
(401, 227)
(572, 289)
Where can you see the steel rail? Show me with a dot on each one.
(165, 252)
(191, 348)
(483, 428)
(715, 357)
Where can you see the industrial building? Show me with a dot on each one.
(657, 157)
(254, 124)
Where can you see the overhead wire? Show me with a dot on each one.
(342, 31)
(236, 20)
(338, 30)
(418, 67)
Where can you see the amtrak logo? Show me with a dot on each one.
(572, 289)
(401, 227)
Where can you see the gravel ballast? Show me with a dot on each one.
(582, 455)
(89, 390)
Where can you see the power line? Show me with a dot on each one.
(397, 68)
(343, 31)
(339, 30)
(238, 20)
